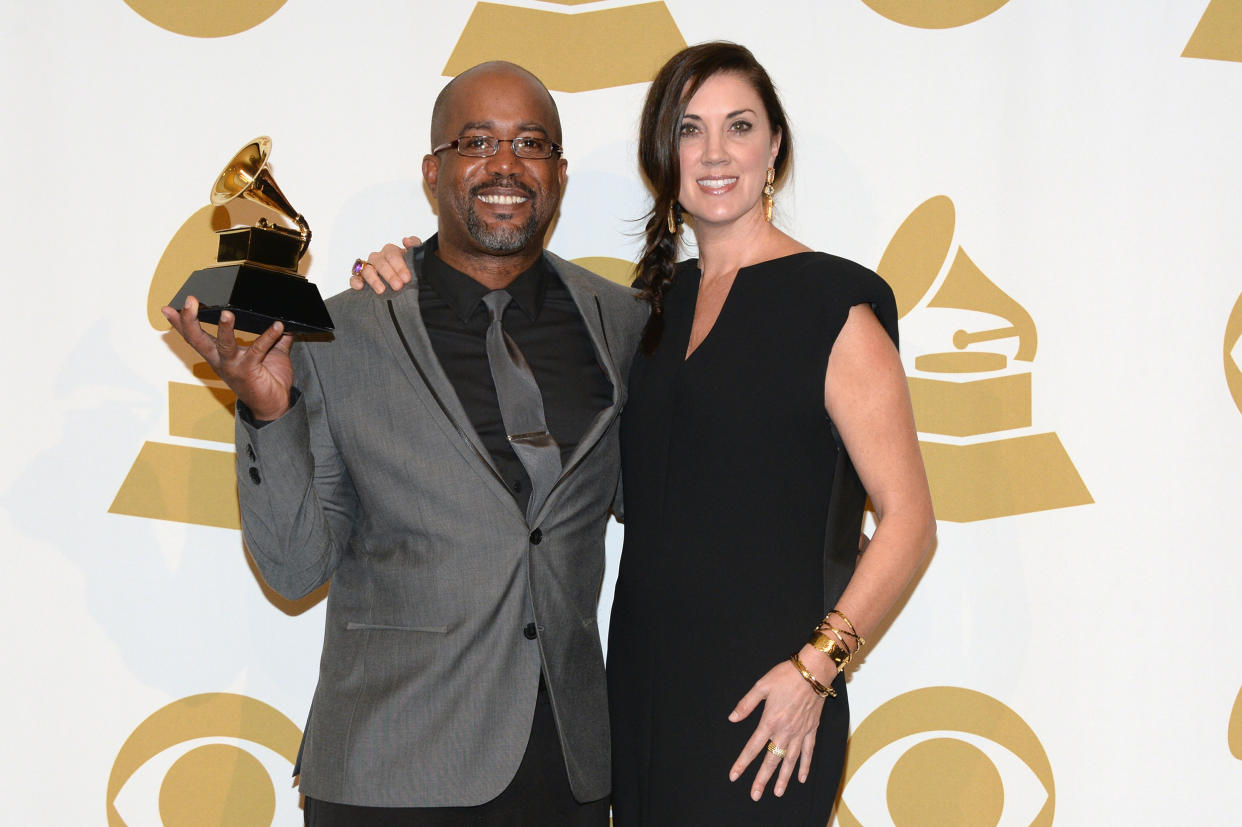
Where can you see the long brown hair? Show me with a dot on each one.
(659, 158)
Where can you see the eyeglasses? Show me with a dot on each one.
(485, 146)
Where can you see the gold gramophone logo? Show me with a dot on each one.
(1219, 33)
(972, 391)
(206, 759)
(944, 756)
(206, 18)
(935, 14)
(1233, 353)
(596, 45)
(1235, 727)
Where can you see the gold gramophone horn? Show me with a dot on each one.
(247, 175)
(911, 264)
(256, 272)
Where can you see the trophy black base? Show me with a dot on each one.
(257, 297)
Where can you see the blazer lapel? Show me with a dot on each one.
(401, 321)
(583, 293)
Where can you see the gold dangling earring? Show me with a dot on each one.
(672, 221)
(768, 192)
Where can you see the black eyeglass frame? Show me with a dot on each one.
(555, 151)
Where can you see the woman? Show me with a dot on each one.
(730, 466)
(769, 374)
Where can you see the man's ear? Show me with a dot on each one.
(431, 172)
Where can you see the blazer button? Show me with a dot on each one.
(254, 476)
(530, 632)
(536, 536)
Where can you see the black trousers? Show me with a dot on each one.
(538, 795)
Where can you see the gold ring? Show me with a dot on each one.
(356, 270)
(775, 750)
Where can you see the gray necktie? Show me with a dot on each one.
(521, 406)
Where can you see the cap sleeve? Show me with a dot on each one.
(847, 285)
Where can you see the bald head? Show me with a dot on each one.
(443, 125)
(493, 211)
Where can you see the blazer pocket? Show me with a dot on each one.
(385, 627)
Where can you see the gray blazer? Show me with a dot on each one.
(375, 480)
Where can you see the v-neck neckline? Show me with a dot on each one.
(694, 307)
(724, 305)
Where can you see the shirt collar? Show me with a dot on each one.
(464, 295)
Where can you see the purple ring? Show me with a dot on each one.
(356, 270)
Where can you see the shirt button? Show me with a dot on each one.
(536, 536)
(256, 479)
(530, 632)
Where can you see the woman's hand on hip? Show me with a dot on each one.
(790, 718)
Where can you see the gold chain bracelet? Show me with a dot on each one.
(852, 631)
(819, 689)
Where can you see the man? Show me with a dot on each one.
(462, 678)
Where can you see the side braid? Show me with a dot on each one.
(655, 272)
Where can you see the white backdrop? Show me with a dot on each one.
(1069, 651)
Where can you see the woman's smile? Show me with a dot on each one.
(718, 185)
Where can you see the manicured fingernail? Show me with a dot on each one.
(754, 795)
(779, 791)
(733, 717)
(733, 774)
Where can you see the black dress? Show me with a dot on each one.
(731, 469)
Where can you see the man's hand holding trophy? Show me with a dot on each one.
(254, 287)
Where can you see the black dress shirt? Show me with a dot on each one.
(547, 327)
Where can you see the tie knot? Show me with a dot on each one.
(496, 302)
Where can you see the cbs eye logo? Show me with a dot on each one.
(945, 757)
(206, 759)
